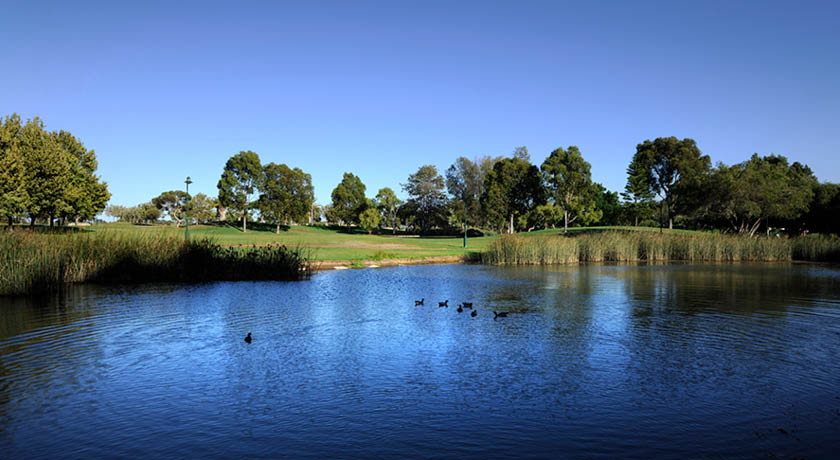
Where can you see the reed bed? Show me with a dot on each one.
(652, 247)
(32, 262)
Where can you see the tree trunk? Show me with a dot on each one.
(565, 221)
(244, 225)
(10, 221)
(636, 224)
(510, 229)
(670, 223)
(51, 221)
(278, 229)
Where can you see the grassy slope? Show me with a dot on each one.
(325, 244)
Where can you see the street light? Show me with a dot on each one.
(465, 223)
(187, 233)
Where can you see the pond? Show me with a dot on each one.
(664, 361)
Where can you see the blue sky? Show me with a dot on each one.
(163, 90)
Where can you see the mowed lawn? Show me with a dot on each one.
(323, 243)
(329, 244)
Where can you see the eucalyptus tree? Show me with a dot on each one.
(202, 208)
(369, 219)
(464, 182)
(172, 204)
(511, 189)
(286, 195)
(241, 177)
(674, 169)
(348, 200)
(86, 195)
(48, 172)
(425, 190)
(569, 184)
(388, 204)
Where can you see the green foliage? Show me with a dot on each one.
(426, 198)
(369, 219)
(287, 194)
(172, 204)
(673, 168)
(638, 190)
(241, 177)
(607, 202)
(824, 211)
(32, 262)
(512, 188)
(202, 208)
(348, 200)
(14, 196)
(388, 204)
(569, 184)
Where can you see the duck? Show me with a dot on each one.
(460, 309)
(501, 314)
(248, 338)
(419, 302)
(445, 303)
(468, 305)
(474, 313)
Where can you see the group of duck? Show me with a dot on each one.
(461, 307)
(444, 304)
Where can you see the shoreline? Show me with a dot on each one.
(323, 265)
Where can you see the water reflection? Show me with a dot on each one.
(629, 361)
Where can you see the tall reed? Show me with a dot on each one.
(655, 247)
(31, 261)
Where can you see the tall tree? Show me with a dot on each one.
(608, 204)
(348, 200)
(240, 179)
(287, 194)
(464, 182)
(86, 195)
(388, 203)
(674, 168)
(202, 208)
(425, 190)
(512, 188)
(14, 198)
(569, 183)
(637, 192)
(48, 172)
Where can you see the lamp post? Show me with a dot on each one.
(187, 233)
(465, 223)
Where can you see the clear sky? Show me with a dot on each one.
(163, 90)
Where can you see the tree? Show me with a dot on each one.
(760, 189)
(608, 204)
(569, 183)
(824, 211)
(348, 200)
(86, 195)
(637, 191)
(673, 168)
(388, 203)
(512, 188)
(464, 182)
(47, 172)
(287, 194)
(14, 198)
(173, 204)
(425, 191)
(522, 154)
(369, 219)
(240, 179)
(202, 208)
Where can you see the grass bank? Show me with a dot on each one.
(614, 246)
(32, 262)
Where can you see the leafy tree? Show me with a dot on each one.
(369, 219)
(607, 202)
(348, 200)
(47, 172)
(14, 198)
(512, 188)
(173, 204)
(522, 154)
(637, 192)
(425, 191)
(86, 195)
(760, 189)
(824, 211)
(464, 182)
(240, 179)
(569, 183)
(287, 194)
(202, 208)
(673, 168)
(148, 212)
(388, 203)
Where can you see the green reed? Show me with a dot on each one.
(653, 247)
(32, 262)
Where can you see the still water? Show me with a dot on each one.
(669, 361)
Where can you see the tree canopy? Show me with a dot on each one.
(511, 189)
(348, 200)
(569, 184)
(425, 190)
(286, 194)
(241, 177)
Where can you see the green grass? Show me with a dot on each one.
(322, 243)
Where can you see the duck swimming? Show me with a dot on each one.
(248, 338)
(474, 313)
(444, 304)
(501, 314)
(419, 302)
